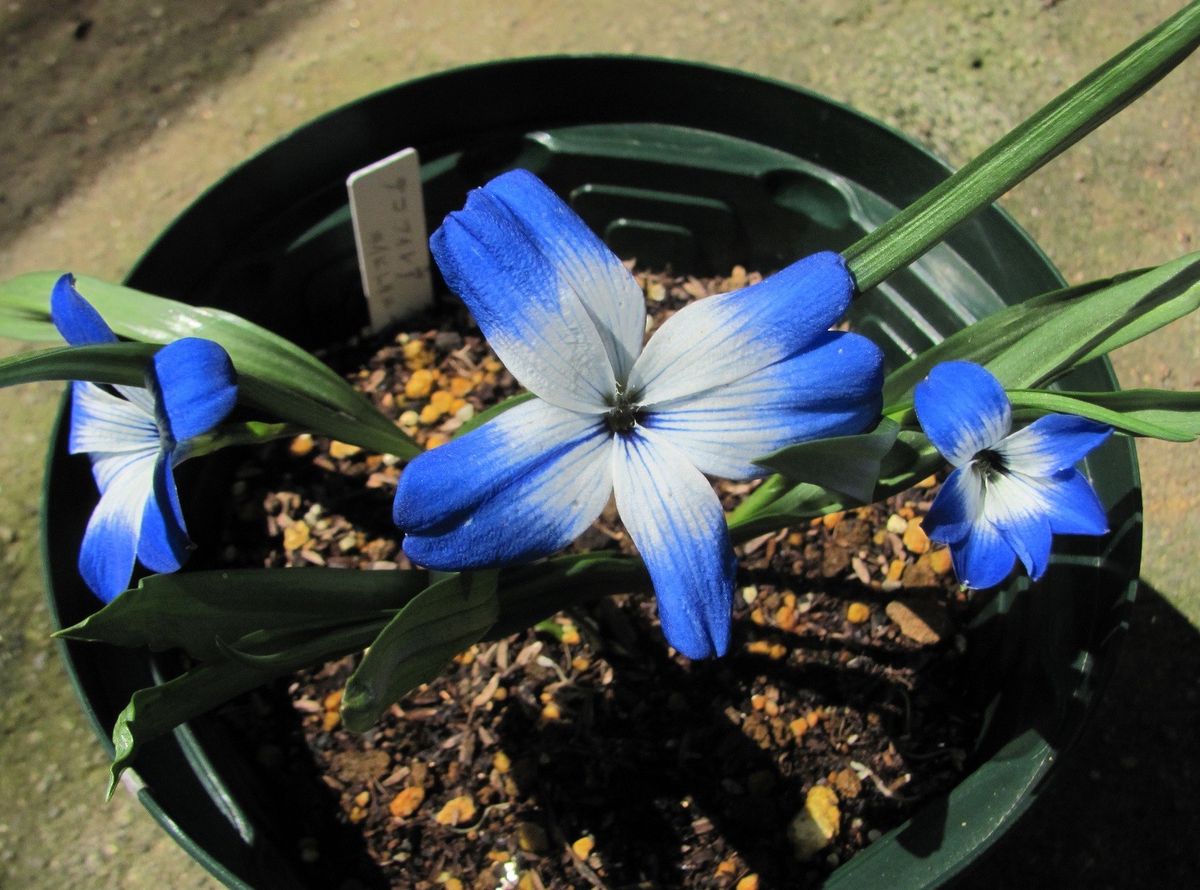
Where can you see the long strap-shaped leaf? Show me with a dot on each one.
(441, 621)
(1153, 413)
(159, 709)
(273, 367)
(192, 611)
(1036, 341)
(125, 363)
(294, 618)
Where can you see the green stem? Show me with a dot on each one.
(1031, 144)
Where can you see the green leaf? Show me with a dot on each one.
(1089, 326)
(484, 416)
(257, 624)
(529, 594)
(250, 432)
(910, 459)
(125, 363)
(982, 340)
(1034, 342)
(849, 465)
(412, 649)
(156, 710)
(118, 363)
(293, 406)
(283, 378)
(1048, 132)
(1156, 413)
(192, 611)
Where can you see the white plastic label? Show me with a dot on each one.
(388, 213)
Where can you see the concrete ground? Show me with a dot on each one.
(115, 115)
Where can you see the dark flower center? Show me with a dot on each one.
(623, 414)
(990, 463)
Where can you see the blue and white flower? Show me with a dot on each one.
(1010, 492)
(135, 438)
(724, 380)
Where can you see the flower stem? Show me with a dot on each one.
(1050, 131)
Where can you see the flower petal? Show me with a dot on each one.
(983, 558)
(110, 542)
(78, 322)
(1051, 444)
(525, 304)
(957, 507)
(963, 410)
(519, 487)
(598, 278)
(163, 540)
(676, 521)
(829, 389)
(1072, 506)
(194, 385)
(1016, 506)
(720, 339)
(103, 422)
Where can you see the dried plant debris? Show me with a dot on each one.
(586, 753)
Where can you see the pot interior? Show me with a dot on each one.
(674, 164)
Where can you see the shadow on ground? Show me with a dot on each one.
(1122, 811)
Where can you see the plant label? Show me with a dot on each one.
(388, 213)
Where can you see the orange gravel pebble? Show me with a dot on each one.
(583, 846)
(416, 355)
(750, 882)
(301, 445)
(296, 536)
(457, 811)
(857, 613)
(915, 540)
(822, 804)
(407, 801)
(419, 385)
(940, 561)
(339, 450)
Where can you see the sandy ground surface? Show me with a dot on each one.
(115, 115)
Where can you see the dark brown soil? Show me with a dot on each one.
(586, 752)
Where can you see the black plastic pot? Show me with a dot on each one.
(671, 162)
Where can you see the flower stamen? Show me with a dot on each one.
(623, 415)
(990, 464)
